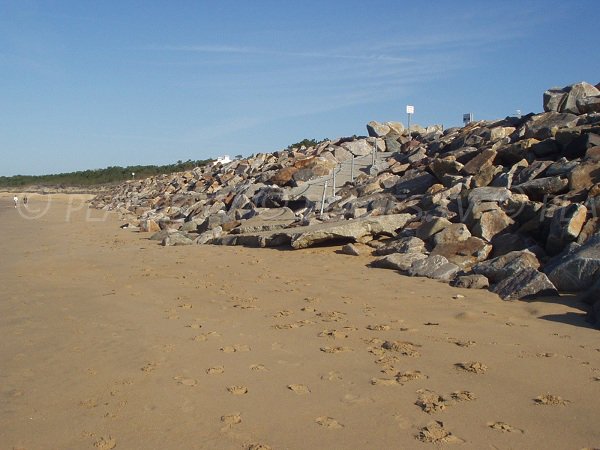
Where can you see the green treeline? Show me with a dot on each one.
(113, 174)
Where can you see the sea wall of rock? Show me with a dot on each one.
(512, 204)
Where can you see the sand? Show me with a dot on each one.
(112, 341)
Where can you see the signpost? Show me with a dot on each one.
(467, 118)
(410, 110)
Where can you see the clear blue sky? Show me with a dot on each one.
(90, 84)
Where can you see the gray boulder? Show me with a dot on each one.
(403, 245)
(578, 269)
(398, 261)
(526, 283)
(472, 282)
(434, 266)
(504, 266)
(565, 227)
(351, 230)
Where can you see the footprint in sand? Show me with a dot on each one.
(336, 349)
(105, 443)
(335, 334)
(258, 367)
(409, 375)
(431, 402)
(185, 306)
(461, 343)
(384, 382)
(215, 370)
(235, 348)
(504, 427)
(237, 390)
(379, 327)
(403, 347)
(194, 326)
(473, 367)
(256, 446)
(299, 388)
(329, 422)
(284, 313)
(434, 432)
(204, 336)
(186, 381)
(332, 376)
(231, 419)
(550, 400)
(149, 367)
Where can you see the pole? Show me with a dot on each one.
(409, 136)
(374, 151)
(323, 198)
(333, 185)
(352, 169)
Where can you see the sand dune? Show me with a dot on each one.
(111, 341)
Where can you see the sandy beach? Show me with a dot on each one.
(112, 341)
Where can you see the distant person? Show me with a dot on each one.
(16, 200)
(25, 200)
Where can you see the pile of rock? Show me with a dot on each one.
(512, 204)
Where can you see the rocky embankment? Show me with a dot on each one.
(511, 205)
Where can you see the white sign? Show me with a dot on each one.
(410, 109)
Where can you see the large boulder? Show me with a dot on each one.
(398, 261)
(351, 230)
(464, 253)
(526, 283)
(504, 266)
(434, 266)
(545, 125)
(570, 99)
(565, 227)
(403, 245)
(577, 269)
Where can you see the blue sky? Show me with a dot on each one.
(90, 84)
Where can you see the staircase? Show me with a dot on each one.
(313, 189)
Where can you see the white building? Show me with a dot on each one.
(222, 159)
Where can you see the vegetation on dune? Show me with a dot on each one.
(113, 174)
(306, 143)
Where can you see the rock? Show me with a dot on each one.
(492, 223)
(284, 176)
(176, 239)
(441, 167)
(590, 228)
(402, 245)
(209, 236)
(554, 99)
(472, 282)
(534, 170)
(565, 227)
(504, 266)
(350, 249)
(398, 261)
(464, 253)
(149, 226)
(489, 194)
(452, 234)
(480, 162)
(431, 227)
(414, 182)
(434, 266)
(579, 145)
(544, 126)
(526, 283)
(351, 230)
(267, 219)
(538, 188)
(578, 91)
(588, 105)
(160, 235)
(376, 129)
(584, 176)
(361, 147)
(577, 269)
